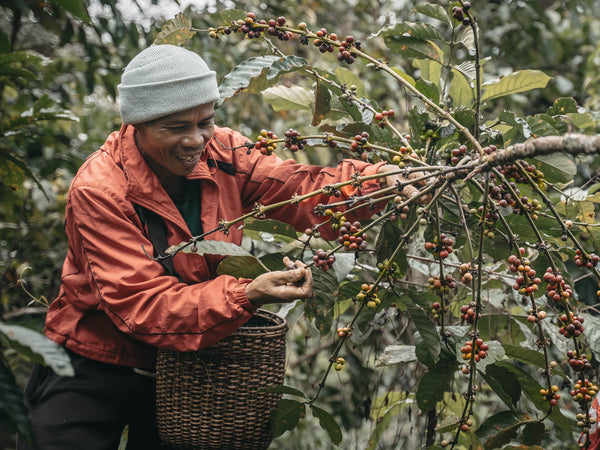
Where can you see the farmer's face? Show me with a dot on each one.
(172, 145)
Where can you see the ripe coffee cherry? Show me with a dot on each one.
(441, 286)
(467, 312)
(343, 332)
(570, 325)
(322, 260)
(578, 363)
(584, 392)
(382, 116)
(293, 140)
(526, 282)
(352, 237)
(551, 395)
(368, 294)
(264, 142)
(440, 247)
(556, 289)
(588, 262)
(477, 349)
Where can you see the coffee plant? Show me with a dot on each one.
(480, 280)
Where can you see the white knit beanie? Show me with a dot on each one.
(162, 80)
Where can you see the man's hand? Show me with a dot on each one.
(408, 191)
(282, 286)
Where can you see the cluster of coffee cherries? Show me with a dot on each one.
(584, 391)
(570, 325)
(457, 154)
(337, 218)
(551, 395)
(441, 248)
(323, 260)
(368, 293)
(293, 140)
(465, 272)
(588, 262)
(352, 237)
(380, 116)
(330, 142)
(578, 363)
(535, 316)
(345, 52)
(339, 364)
(557, 288)
(468, 312)
(402, 213)
(321, 41)
(358, 145)
(392, 269)
(437, 310)
(458, 12)
(253, 28)
(344, 332)
(489, 222)
(526, 282)
(439, 286)
(476, 349)
(264, 142)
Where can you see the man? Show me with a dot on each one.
(116, 305)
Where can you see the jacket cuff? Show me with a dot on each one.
(372, 185)
(240, 297)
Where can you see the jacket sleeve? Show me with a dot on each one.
(132, 289)
(268, 180)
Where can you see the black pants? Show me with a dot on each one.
(90, 410)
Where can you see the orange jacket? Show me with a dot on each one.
(116, 304)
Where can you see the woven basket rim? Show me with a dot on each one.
(278, 324)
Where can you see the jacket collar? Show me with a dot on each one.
(143, 185)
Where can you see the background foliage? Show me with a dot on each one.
(58, 74)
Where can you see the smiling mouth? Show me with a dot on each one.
(189, 159)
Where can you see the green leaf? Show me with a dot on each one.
(321, 304)
(557, 168)
(413, 47)
(328, 423)
(426, 329)
(460, 91)
(563, 105)
(246, 266)
(397, 354)
(175, 31)
(434, 384)
(531, 388)
(322, 105)
(286, 416)
(533, 433)
(274, 227)
(435, 11)
(429, 90)
(383, 423)
(38, 348)
(229, 15)
(209, 248)
(75, 7)
(519, 81)
(429, 70)
(349, 78)
(414, 30)
(11, 401)
(501, 421)
(292, 98)
(504, 383)
(257, 74)
(282, 390)
(529, 356)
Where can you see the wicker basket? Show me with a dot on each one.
(208, 399)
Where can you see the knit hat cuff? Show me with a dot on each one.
(149, 101)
